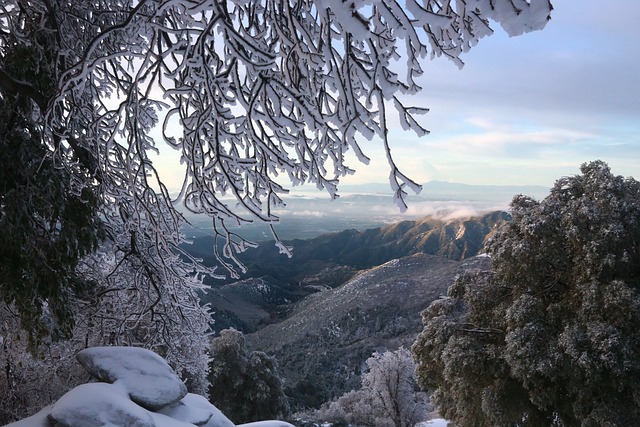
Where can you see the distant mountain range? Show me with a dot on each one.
(482, 192)
(344, 295)
(352, 250)
(310, 213)
(440, 190)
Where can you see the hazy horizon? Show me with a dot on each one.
(310, 213)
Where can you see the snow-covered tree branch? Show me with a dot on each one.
(247, 91)
(252, 94)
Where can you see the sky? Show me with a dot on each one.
(528, 110)
(525, 110)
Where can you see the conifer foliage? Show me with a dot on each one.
(550, 336)
(245, 385)
(47, 221)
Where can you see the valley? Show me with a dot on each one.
(360, 274)
(345, 295)
(358, 279)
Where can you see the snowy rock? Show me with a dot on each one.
(195, 409)
(272, 423)
(192, 409)
(147, 378)
(138, 389)
(181, 412)
(437, 422)
(161, 420)
(97, 405)
(38, 419)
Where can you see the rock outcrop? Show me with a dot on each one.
(149, 380)
(134, 388)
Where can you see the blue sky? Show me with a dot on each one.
(530, 109)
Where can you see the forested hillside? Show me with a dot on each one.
(345, 295)
(330, 260)
(322, 346)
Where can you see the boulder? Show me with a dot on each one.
(98, 405)
(146, 377)
(196, 409)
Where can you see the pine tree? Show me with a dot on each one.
(245, 385)
(549, 336)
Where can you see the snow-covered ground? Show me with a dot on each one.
(438, 422)
(135, 387)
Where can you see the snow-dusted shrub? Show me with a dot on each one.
(389, 396)
(32, 379)
(390, 385)
(245, 385)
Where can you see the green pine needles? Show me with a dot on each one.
(550, 336)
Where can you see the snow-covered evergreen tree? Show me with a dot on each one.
(549, 336)
(245, 385)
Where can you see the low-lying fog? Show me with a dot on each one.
(311, 213)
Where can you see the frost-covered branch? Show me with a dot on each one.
(255, 96)
(249, 92)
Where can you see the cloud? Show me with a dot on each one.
(443, 210)
(496, 139)
(531, 109)
(454, 210)
(307, 213)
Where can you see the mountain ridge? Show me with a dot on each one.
(331, 260)
(360, 249)
(436, 189)
(346, 295)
